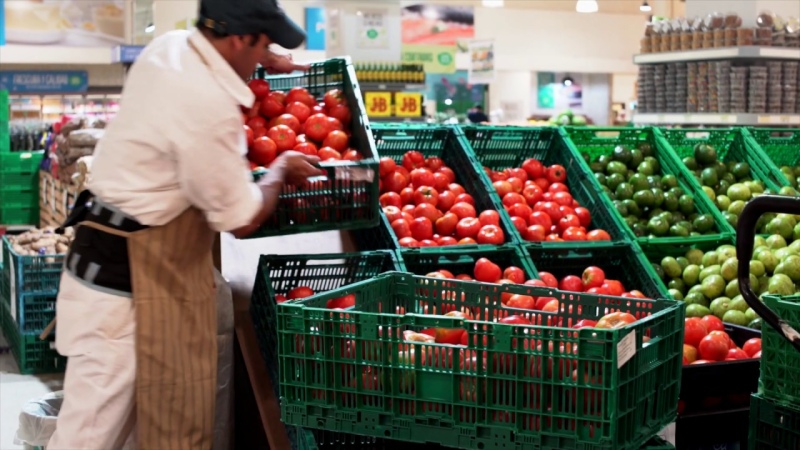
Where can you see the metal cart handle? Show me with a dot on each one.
(754, 209)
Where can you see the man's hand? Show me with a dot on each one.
(277, 64)
(298, 167)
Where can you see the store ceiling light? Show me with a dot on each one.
(586, 6)
(645, 7)
(150, 28)
(567, 81)
(493, 3)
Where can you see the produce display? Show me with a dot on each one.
(38, 242)
(653, 202)
(540, 204)
(426, 207)
(705, 341)
(296, 120)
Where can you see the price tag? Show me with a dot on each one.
(379, 104)
(408, 104)
(626, 348)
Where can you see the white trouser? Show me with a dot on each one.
(95, 330)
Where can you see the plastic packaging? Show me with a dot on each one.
(37, 421)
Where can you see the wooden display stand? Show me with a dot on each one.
(55, 200)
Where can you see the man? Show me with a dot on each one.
(136, 309)
(476, 115)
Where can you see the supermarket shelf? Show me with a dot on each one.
(716, 119)
(749, 52)
(393, 87)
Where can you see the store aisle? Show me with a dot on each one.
(15, 391)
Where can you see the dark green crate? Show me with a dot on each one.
(500, 148)
(31, 275)
(779, 360)
(340, 202)
(731, 146)
(447, 143)
(779, 144)
(19, 216)
(19, 199)
(654, 253)
(602, 141)
(278, 274)
(33, 355)
(462, 261)
(19, 171)
(622, 262)
(773, 425)
(350, 371)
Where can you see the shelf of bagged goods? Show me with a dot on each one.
(716, 119)
(750, 52)
(392, 87)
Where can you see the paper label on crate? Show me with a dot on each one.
(626, 349)
(12, 286)
(355, 174)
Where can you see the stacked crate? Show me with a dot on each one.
(19, 191)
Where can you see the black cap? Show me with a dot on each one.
(243, 17)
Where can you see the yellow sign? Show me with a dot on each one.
(379, 104)
(408, 104)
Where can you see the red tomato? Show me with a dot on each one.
(306, 148)
(541, 302)
(514, 274)
(426, 194)
(257, 122)
(533, 194)
(514, 320)
(421, 228)
(752, 346)
(503, 188)
(341, 113)
(713, 348)
(328, 154)
(448, 172)
(434, 163)
(390, 199)
(263, 151)
(317, 127)
(446, 200)
(562, 198)
(408, 242)
(465, 198)
(615, 320)
(288, 120)
(300, 292)
(585, 323)
(520, 224)
(299, 110)
(568, 221)
(535, 233)
(427, 211)
(540, 218)
(549, 208)
(551, 306)
(272, 105)
(584, 216)
(335, 124)
(395, 182)
(521, 210)
(392, 212)
(440, 181)
(490, 234)
(280, 298)
(724, 336)
(352, 155)
(386, 166)
(521, 302)
(413, 160)
(558, 187)
(422, 177)
(447, 240)
(446, 225)
(487, 271)
(757, 355)
(407, 195)
(516, 172)
(736, 354)
(283, 136)
(713, 323)
(516, 184)
(689, 354)
(345, 302)
(614, 287)
(248, 132)
(463, 210)
(336, 140)
(549, 279)
(571, 283)
(598, 235)
(533, 168)
(513, 198)
(593, 277)
(468, 227)
(401, 228)
(574, 234)
(456, 189)
(260, 88)
(694, 331)
(333, 97)
(556, 174)
(489, 217)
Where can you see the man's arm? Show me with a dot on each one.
(275, 63)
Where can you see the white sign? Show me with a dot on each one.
(626, 348)
(372, 29)
(481, 67)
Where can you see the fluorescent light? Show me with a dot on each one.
(492, 3)
(586, 6)
(150, 28)
(645, 7)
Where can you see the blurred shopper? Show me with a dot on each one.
(476, 114)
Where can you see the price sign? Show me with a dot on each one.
(408, 104)
(379, 104)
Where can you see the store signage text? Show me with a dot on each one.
(387, 104)
(34, 82)
(408, 104)
(127, 54)
(379, 104)
(435, 58)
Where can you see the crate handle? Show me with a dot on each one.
(745, 232)
(608, 134)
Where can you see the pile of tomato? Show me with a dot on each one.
(705, 341)
(541, 205)
(426, 207)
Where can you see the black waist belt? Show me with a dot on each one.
(98, 258)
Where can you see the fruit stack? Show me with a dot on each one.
(790, 86)
(713, 88)
(757, 90)
(738, 85)
(722, 73)
(646, 88)
(659, 83)
(691, 87)
(775, 88)
(702, 87)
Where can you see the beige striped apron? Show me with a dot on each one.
(172, 276)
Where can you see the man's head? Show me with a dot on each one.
(478, 107)
(242, 30)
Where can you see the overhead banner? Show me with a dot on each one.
(432, 34)
(481, 67)
(68, 23)
(372, 34)
(44, 82)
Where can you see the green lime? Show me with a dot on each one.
(621, 154)
(791, 267)
(710, 193)
(739, 191)
(757, 268)
(598, 170)
(723, 202)
(783, 253)
(735, 317)
(697, 310)
(732, 288)
(776, 241)
(730, 269)
(659, 271)
(694, 256)
(677, 284)
(639, 182)
(705, 154)
(788, 191)
(703, 223)
(755, 324)
(686, 204)
(732, 219)
(695, 298)
(636, 157)
(709, 259)
(675, 294)
(720, 306)
(756, 187)
(738, 303)
(690, 163)
(780, 284)
(682, 261)
(632, 207)
(709, 177)
(671, 267)
(751, 315)
(670, 202)
(657, 227)
(669, 182)
(726, 252)
(658, 197)
(691, 275)
(781, 226)
(624, 191)
(710, 270)
(678, 231)
(614, 180)
(722, 188)
(713, 286)
(768, 259)
(616, 167)
(645, 199)
(741, 170)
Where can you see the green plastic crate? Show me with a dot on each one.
(343, 201)
(449, 144)
(19, 199)
(462, 261)
(277, 274)
(31, 275)
(773, 425)
(602, 141)
(500, 148)
(19, 216)
(780, 145)
(731, 146)
(654, 253)
(350, 371)
(19, 171)
(621, 262)
(779, 360)
(33, 355)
